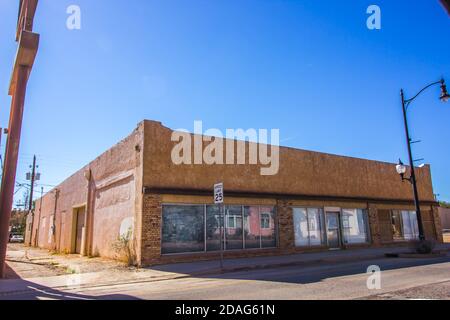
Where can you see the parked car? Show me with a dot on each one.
(16, 238)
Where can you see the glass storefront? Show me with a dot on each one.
(410, 226)
(268, 230)
(310, 229)
(354, 226)
(404, 225)
(212, 228)
(252, 227)
(183, 229)
(195, 228)
(233, 231)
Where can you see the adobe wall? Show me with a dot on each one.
(444, 214)
(110, 190)
(300, 173)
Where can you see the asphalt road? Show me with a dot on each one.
(336, 281)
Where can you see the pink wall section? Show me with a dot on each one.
(111, 202)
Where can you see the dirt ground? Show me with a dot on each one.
(446, 236)
(436, 291)
(26, 262)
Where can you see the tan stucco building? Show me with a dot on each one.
(316, 201)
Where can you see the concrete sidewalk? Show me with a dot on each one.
(185, 270)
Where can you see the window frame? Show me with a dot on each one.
(366, 226)
(259, 206)
(324, 238)
(266, 219)
(399, 212)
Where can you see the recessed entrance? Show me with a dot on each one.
(79, 216)
(333, 230)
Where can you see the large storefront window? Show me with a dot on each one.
(354, 226)
(212, 228)
(267, 223)
(310, 229)
(410, 226)
(404, 225)
(233, 222)
(183, 229)
(308, 226)
(194, 228)
(252, 227)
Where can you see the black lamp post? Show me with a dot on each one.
(401, 169)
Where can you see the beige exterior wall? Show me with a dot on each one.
(136, 177)
(305, 178)
(300, 173)
(444, 214)
(107, 189)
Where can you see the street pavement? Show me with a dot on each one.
(338, 280)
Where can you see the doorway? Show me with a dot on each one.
(80, 214)
(333, 230)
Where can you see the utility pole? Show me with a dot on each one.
(36, 237)
(32, 178)
(30, 204)
(28, 43)
(1, 153)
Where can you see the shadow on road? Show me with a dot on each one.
(305, 274)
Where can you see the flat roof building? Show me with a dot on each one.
(136, 195)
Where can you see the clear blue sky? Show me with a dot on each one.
(310, 68)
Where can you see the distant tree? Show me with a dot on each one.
(444, 204)
(18, 221)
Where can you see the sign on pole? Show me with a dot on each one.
(218, 199)
(218, 193)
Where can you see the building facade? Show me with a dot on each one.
(444, 213)
(165, 211)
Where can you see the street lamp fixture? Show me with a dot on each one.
(401, 170)
(444, 94)
(400, 167)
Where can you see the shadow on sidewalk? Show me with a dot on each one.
(28, 290)
(10, 273)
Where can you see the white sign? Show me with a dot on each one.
(218, 193)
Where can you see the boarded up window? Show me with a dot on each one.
(384, 220)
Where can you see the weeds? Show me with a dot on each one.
(124, 247)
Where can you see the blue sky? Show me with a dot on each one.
(310, 68)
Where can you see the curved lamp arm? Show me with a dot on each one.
(408, 101)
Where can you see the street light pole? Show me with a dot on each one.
(401, 169)
(413, 174)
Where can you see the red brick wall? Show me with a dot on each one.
(379, 228)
